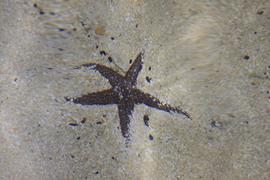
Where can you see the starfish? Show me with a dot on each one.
(123, 93)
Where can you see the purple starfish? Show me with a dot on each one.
(123, 93)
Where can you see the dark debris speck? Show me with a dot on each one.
(83, 120)
(148, 79)
(260, 12)
(78, 138)
(151, 138)
(96, 172)
(146, 120)
(52, 13)
(99, 122)
(110, 59)
(215, 124)
(246, 57)
(102, 53)
(41, 12)
(130, 61)
(72, 124)
(82, 23)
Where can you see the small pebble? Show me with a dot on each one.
(100, 30)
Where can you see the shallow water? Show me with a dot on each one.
(211, 58)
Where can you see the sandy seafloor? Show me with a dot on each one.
(211, 57)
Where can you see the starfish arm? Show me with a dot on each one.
(135, 68)
(151, 101)
(113, 77)
(125, 109)
(97, 98)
